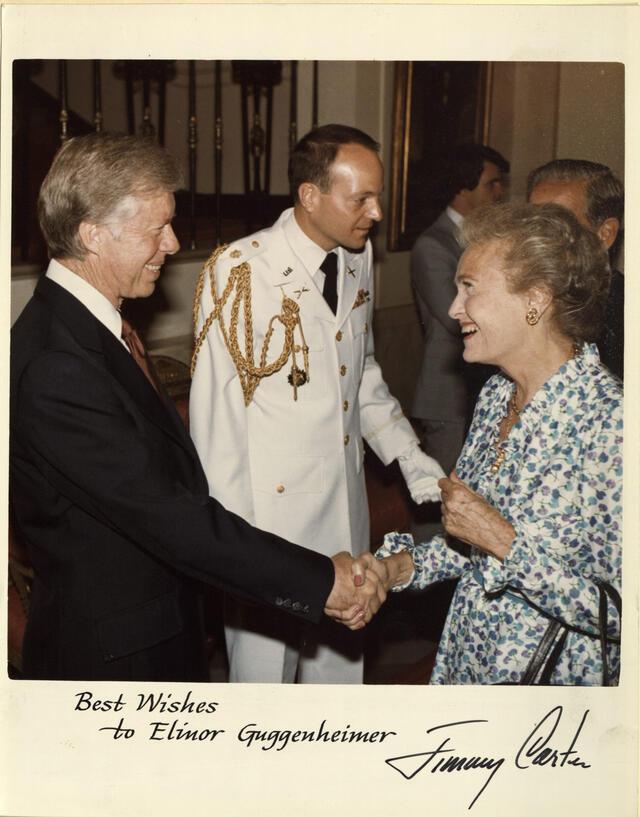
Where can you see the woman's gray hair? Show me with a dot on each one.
(544, 245)
(91, 178)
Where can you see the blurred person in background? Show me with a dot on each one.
(595, 196)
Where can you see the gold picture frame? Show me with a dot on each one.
(435, 103)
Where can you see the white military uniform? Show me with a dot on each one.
(295, 467)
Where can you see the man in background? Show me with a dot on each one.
(286, 386)
(447, 387)
(596, 198)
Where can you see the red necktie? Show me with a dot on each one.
(138, 352)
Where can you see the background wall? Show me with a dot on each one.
(539, 111)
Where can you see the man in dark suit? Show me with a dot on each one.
(596, 198)
(106, 486)
(446, 387)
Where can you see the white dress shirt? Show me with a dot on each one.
(100, 307)
(307, 251)
(455, 216)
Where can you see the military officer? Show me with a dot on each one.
(285, 388)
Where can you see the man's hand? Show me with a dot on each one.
(470, 518)
(356, 596)
(421, 473)
(396, 569)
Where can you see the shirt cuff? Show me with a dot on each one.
(498, 574)
(395, 543)
(408, 452)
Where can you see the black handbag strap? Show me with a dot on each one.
(543, 654)
(547, 672)
(547, 654)
(607, 592)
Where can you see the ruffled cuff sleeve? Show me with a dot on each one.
(433, 561)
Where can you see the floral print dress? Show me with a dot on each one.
(560, 486)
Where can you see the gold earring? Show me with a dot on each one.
(532, 316)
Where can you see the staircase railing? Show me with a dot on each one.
(255, 208)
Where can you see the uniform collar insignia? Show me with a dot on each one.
(361, 298)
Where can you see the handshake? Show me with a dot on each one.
(359, 589)
(361, 584)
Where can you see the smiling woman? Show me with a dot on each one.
(489, 313)
(537, 489)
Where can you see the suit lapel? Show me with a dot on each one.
(157, 407)
(103, 349)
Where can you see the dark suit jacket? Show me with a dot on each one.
(611, 341)
(111, 498)
(447, 387)
(440, 391)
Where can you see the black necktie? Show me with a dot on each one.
(330, 268)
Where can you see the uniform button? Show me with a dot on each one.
(346, 439)
(280, 489)
(343, 370)
(296, 606)
(279, 601)
(338, 335)
(345, 405)
(255, 244)
(366, 328)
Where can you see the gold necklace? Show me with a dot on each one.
(512, 408)
(510, 419)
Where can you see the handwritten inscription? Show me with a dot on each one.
(176, 729)
(162, 702)
(536, 750)
(452, 748)
(440, 759)
(280, 738)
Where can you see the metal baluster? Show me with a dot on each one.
(217, 147)
(267, 141)
(314, 118)
(147, 126)
(128, 82)
(97, 97)
(293, 106)
(162, 100)
(253, 76)
(245, 136)
(193, 140)
(257, 139)
(62, 93)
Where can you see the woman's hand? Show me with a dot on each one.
(356, 595)
(393, 570)
(468, 517)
